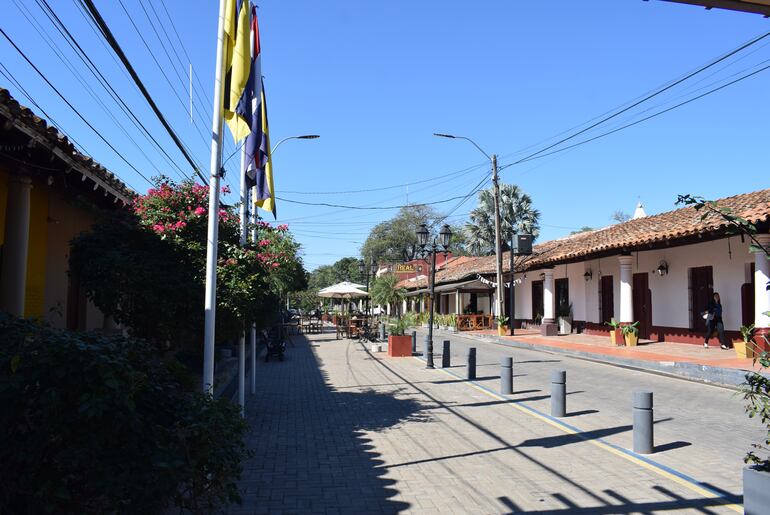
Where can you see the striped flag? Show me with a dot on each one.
(253, 110)
(237, 63)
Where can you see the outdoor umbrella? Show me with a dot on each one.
(343, 290)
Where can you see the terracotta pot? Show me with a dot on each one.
(616, 336)
(399, 346)
(743, 349)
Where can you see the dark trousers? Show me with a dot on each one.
(720, 328)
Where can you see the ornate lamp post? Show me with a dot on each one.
(429, 249)
(368, 272)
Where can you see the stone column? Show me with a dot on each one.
(626, 289)
(548, 326)
(13, 276)
(761, 293)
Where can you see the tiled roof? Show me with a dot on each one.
(674, 227)
(26, 120)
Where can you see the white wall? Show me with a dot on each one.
(670, 294)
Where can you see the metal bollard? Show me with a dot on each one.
(472, 363)
(643, 428)
(506, 376)
(558, 393)
(445, 355)
(414, 342)
(382, 331)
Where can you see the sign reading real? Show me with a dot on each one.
(405, 268)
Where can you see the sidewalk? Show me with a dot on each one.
(336, 429)
(712, 365)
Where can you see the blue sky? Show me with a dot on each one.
(376, 79)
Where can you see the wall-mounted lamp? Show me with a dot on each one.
(588, 275)
(662, 269)
(542, 275)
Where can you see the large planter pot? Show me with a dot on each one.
(565, 325)
(631, 339)
(616, 336)
(399, 346)
(743, 349)
(502, 330)
(756, 491)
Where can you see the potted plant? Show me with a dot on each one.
(385, 291)
(744, 347)
(502, 328)
(452, 322)
(399, 343)
(631, 334)
(616, 333)
(564, 318)
(756, 474)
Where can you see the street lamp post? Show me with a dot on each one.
(498, 239)
(368, 272)
(431, 248)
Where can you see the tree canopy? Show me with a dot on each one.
(395, 240)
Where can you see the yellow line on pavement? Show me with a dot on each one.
(629, 457)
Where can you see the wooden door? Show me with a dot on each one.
(701, 291)
(562, 297)
(537, 300)
(607, 297)
(643, 304)
(747, 300)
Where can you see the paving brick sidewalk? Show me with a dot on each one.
(337, 430)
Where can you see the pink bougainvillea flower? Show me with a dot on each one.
(200, 211)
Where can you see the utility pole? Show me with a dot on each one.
(498, 242)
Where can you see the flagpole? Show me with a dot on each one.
(244, 213)
(253, 219)
(213, 225)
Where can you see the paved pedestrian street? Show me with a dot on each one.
(337, 429)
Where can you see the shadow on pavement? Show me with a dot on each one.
(311, 453)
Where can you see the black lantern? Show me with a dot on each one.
(361, 267)
(374, 267)
(445, 235)
(422, 235)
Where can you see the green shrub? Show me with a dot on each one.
(100, 424)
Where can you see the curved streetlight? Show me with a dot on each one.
(498, 237)
(429, 249)
(304, 136)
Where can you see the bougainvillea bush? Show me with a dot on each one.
(146, 268)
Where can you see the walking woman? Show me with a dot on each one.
(713, 316)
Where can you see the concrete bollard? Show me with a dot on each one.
(472, 363)
(506, 376)
(558, 393)
(643, 428)
(382, 331)
(445, 355)
(414, 342)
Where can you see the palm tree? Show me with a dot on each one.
(516, 212)
(385, 291)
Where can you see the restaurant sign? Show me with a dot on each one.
(406, 268)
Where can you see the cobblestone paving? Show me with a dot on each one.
(336, 429)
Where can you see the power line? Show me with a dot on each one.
(654, 115)
(325, 204)
(71, 67)
(395, 186)
(647, 97)
(105, 30)
(73, 107)
(106, 84)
